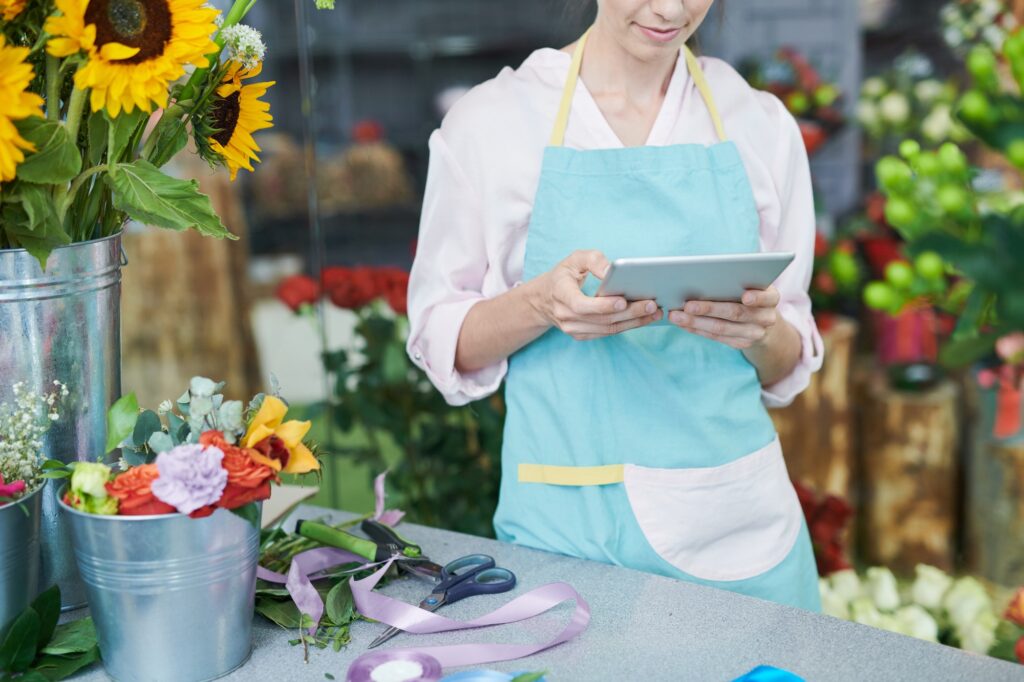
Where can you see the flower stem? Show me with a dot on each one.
(64, 201)
(75, 106)
(52, 88)
(171, 113)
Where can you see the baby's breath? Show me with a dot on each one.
(23, 424)
(244, 44)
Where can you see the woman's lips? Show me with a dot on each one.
(662, 36)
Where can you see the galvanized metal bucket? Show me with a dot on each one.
(19, 556)
(64, 324)
(172, 597)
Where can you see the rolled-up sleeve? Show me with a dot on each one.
(447, 278)
(794, 231)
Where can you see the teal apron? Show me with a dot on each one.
(650, 449)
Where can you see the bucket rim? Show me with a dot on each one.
(98, 240)
(127, 518)
(21, 501)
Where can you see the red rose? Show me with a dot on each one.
(132, 489)
(1015, 609)
(1018, 649)
(880, 251)
(350, 288)
(367, 131)
(831, 559)
(825, 283)
(820, 245)
(298, 290)
(248, 481)
(393, 284)
(875, 207)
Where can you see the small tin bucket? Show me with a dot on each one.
(19, 556)
(172, 597)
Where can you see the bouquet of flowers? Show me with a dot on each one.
(934, 606)
(79, 80)
(207, 454)
(443, 459)
(23, 424)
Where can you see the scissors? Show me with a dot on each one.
(384, 544)
(465, 577)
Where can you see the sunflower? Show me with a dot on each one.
(15, 104)
(135, 48)
(236, 113)
(9, 9)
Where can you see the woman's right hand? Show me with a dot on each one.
(561, 302)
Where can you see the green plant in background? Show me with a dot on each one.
(934, 201)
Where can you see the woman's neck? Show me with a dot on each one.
(611, 72)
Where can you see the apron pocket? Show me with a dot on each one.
(729, 522)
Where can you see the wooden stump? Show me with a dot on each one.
(909, 477)
(185, 311)
(816, 430)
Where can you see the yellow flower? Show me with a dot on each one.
(271, 439)
(15, 104)
(9, 9)
(135, 48)
(236, 114)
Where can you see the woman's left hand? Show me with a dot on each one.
(738, 325)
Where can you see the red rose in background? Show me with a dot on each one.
(875, 207)
(298, 290)
(820, 245)
(1018, 649)
(367, 131)
(826, 520)
(349, 288)
(132, 489)
(880, 251)
(393, 285)
(248, 480)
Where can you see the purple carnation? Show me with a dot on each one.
(191, 477)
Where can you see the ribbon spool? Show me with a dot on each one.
(396, 666)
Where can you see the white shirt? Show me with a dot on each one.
(485, 163)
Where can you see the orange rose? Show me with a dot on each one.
(132, 489)
(248, 480)
(1015, 610)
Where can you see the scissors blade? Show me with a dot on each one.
(427, 570)
(430, 603)
(384, 637)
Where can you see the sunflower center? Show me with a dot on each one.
(225, 117)
(145, 24)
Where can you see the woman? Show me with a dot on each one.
(630, 438)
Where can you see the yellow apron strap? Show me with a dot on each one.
(578, 476)
(701, 82)
(562, 120)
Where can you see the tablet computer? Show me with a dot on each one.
(675, 280)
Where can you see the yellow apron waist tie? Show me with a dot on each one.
(577, 476)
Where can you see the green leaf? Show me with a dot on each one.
(47, 606)
(55, 668)
(160, 442)
(121, 418)
(284, 613)
(123, 127)
(19, 646)
(56, 473)
(150, 196)
(146, 426)
(339, 604)
(250, 512)
(174, 428)
(30, 221)
(75, 637)
(171, 138)
(97, 137)
(967, 349)
(56, 159)
(53, 464)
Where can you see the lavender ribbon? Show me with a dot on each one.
(391, 517)
(414, 619)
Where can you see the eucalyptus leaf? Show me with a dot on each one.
(47, 606)
(121, 419)
(56, 159)
(160, 442)
(201, 386)
(339, 604)
(174, 424)
(199, 408)
(134, 457)
(75, 637)
(19, 646)
(147, 425)
(230, 416)
(146, 194)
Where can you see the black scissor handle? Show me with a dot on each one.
(491, 580)
(464, 566)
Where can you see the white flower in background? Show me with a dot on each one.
(980, 634)
(873, 87)
(867, 113)
(928, 90)
(165, 407)
(832, 603)
(966, 599)
(244, 45)
(938, 125)
(881, 587)
(914, 621)
(864, 611)
(846, 584)
(895, 108)
(930, 586)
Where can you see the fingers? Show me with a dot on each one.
(591, 261)
(712, 327)
(586, 331)
(769, 298)
(733, 312)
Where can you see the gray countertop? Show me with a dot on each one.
(643, 627)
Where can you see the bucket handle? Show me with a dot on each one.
(124, 257)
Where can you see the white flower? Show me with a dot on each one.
(965, 600)
(244, 45)
(916, 622)
(832, 603)
(867, 113)
(928, 90)
(873, 87)
(930, 585)
(846, 584)
(979, 635)
(165, 407)
(864, 611)
(938, 125)
(895, 108)
(881, 587)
